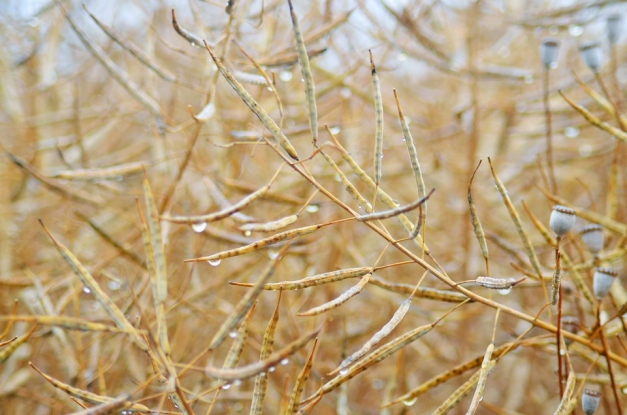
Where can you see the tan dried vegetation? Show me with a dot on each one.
(208, 179)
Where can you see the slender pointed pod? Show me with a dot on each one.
(232, 358)
(531, 253)
(225, 212)
(85, 395)
(413, 153)
(86, 278)
(476, 223)
(301, 381)
(394, 212)
(267, 347)
(305, 69)
(378, 109)
(190, 37)
(314, 280)
(291, 234)
(270, 226)
(351, 292)
(255, 107)
(253, 369)
(462, 391)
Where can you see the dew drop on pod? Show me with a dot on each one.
(602, 281)
(549, 49)
(614, 27)
(562, 220)
(592, 55)
(593, 238)
(590, 401)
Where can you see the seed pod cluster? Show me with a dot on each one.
(590, 401)
(614, 26)
(602, 281)
(593, 238)
(562, 220)
(592, 55)
(549, 48)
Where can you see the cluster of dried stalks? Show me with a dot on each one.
(230, 210)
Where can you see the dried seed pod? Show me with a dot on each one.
(602, 281)
(498, 283)
(590, 401)
(592, 55)
(562, 220)
(614, 26)
(593, 238)
(549, 48)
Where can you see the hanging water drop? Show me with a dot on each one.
(233, 334)
(285, 361)
(410, 402)
(285, 76)
(199, 227)
(312, 208)
(214, 262)
(226, 386)
(247, 233)
(343, 371)
(505, 291)
(272, 369)
(86, 290)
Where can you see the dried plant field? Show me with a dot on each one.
(350, 207)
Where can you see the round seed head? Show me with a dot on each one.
(602, 281)
(562, 220)
(590, 401)
(549, 48)
(593, 238)
(592, 56)
(614, 26)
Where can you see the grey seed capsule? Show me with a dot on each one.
(590, 401)
(562, 220)
(602, 281)
(592, 55)
(549, 49)
(593, 238)
(614, 27)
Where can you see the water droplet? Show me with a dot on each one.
(233, 334)
(554, 65)
(237, 382)
(114, 285)
(585, 150)
(312, 208)
(214, 262)
(193, 44)
(410, 402)
(529, 79)
(335, 130)
(199, 227)
(343, 371)
(337, 178)
(521, 107)
(285, 361)
(86, 290)
(571, 132)
(562, 352)
(302, 80)
(272, 369)
(575, 30)
(272, 254)
(285, 76)
(381, 155)
(226, 386)
(505, 291)
(263, 375)
(247, 233)
(269, 89)
(401, 57)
